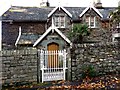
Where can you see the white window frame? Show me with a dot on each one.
(114, 36)
(89, 22)
(56, 21)
(59, 21)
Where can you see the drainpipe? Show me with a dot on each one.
(19, 35)
(0, 35)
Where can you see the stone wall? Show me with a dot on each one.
(19, 66)
(105, 58)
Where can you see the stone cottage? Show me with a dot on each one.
(46, 28)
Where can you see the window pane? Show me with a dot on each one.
(92, 21)
(56, 24)
(96, 22)
(62, 21)
(92, 24)
(87, 21)
(59, 21)
(56, 21)
(62, 24)
(62, 18)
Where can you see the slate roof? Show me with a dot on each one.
(75, 11)
(26, 13)
(106, 11)
(17, 13)
(28, 38)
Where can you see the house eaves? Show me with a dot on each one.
(91, 7)
(50, 29)
(59, 7)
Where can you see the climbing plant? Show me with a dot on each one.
(78, 32)
(115, 17)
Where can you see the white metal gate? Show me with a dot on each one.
(53, 65)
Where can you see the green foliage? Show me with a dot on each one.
(78, 31)
(115, 16)
(88, 71)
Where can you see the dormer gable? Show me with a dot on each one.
(89, 8)
(59, 8)
(60, 17)
(91, 17)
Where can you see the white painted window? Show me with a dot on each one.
(115, 37)
(59, 21)
(91, 21)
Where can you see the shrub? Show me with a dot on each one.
(78, 32)
(89, 71)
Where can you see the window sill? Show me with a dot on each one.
(93, 27)
(60, 27)
(118, 27)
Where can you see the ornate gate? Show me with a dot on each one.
(53, 65)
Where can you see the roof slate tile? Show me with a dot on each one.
(17, 13)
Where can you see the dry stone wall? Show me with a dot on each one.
(22, 65)
(19, 66)
(105, 58)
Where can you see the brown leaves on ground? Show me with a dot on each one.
(106, 82)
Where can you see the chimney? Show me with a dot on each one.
(118, 3)
(47, 3)
(44, 3)
(98, 4)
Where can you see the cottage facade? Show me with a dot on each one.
(47, 28)
(25, 25)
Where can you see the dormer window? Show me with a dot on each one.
(59, 21)
(91, 21)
